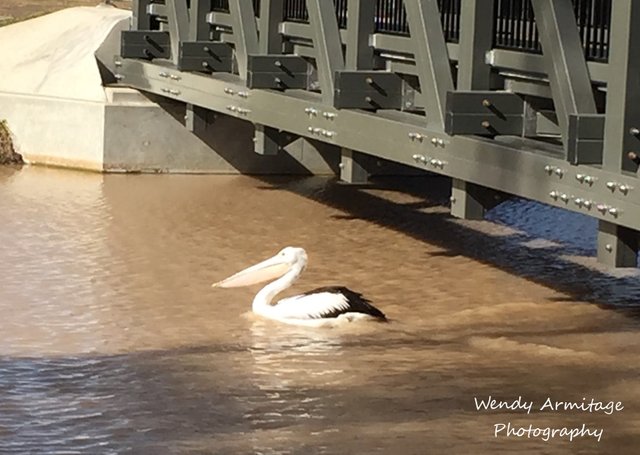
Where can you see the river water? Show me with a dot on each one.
(113, 341)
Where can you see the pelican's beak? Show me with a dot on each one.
(267, 270)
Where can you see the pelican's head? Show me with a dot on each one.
(289, 258)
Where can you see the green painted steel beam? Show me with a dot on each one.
(522, 167)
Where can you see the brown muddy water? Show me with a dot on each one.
(112, 340)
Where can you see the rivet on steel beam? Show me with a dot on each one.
(441, 142)
(163, 74)
(587, 204)
(205, 64)
(611, 185)
(633, 156)
(564, 197)
(416, 157)
(368, 99)
(614, 211)
(119, 77)
(486, 124)
(608, 247)
(559, 172)
(624, 188)
(310, 129)
(369, 80)
(589, 179)
(434, 141)
(580, 177)
(578, 201)
(634, 131)
(548, 169)
(486, 103)
(206, 49)
(602, 208)
(175, 77)
(277, 80)
(413, 136)
(118, 63)
(554, 194)
(278, 63)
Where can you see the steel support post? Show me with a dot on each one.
(271, 13)
(327, 45)
(266, 140)
(469, 201)
(352, 168)
(178, 18)
(476, 39)
(196, 119)
(245, 33)
(564, 59)
(199, 28)
(432, 58)
(622, 123)
(140, 19)
(617, 245)
(360, 25)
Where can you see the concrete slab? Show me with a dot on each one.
(53, 55)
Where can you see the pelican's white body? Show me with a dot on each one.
(314, 309)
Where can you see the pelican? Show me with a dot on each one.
(314, 308)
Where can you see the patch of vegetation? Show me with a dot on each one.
(8, 154)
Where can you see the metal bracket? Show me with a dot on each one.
(585, 143)
(277, 72)
(145, 44)
(367, 90)
(205, 56)
(486, 113)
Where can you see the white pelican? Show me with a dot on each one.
(314, 308)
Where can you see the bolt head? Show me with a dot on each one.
(611, 185)
(608, 247)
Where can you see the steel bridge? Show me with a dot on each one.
(534, 98)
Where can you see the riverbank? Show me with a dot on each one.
(8, 154)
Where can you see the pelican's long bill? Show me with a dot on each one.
(266, 270)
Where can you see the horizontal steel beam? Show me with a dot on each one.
(525, 168)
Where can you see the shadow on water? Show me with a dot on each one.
(543, 244)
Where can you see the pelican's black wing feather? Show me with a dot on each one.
(356, 301)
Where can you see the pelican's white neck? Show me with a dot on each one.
(262, 301)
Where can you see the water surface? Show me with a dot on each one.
(114, 342)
